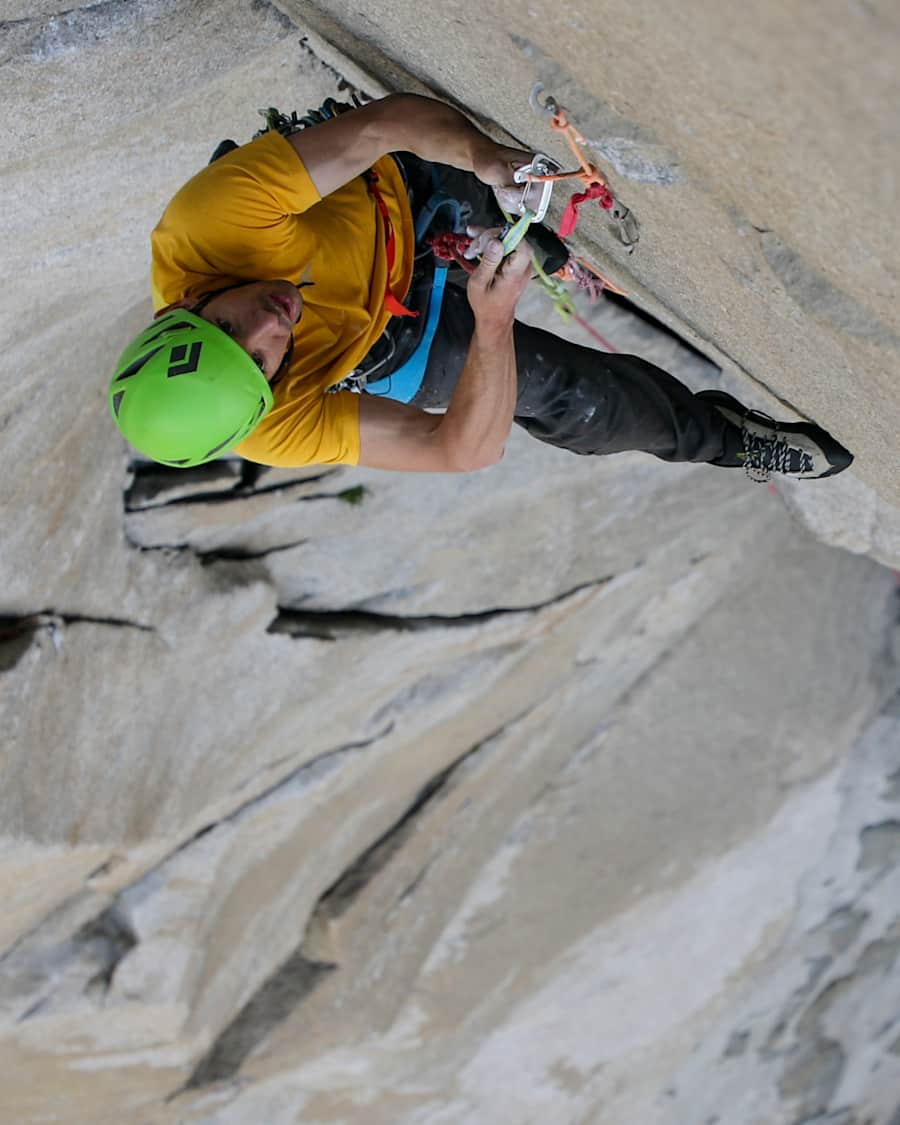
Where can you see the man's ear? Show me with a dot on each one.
(184, 303)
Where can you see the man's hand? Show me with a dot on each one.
(494, 164)
(495, 287)
(473, 432)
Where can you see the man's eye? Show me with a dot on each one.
(259, 361)
(225, 325)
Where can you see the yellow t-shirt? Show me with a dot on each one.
(255, 215)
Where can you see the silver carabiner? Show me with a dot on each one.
(536, 193)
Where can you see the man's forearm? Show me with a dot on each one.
(476, 426)
(432, 131)
(342, 148)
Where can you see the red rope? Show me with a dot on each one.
(601, 340)
(451, 248)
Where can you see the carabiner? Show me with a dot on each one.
(537, 190)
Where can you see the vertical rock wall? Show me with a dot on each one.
(563, 792)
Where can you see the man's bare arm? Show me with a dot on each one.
(337, 150)
(473, 432)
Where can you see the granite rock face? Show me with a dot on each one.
(563, 792)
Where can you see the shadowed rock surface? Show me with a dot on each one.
(565, 792)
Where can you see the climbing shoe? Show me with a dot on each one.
(795, 449)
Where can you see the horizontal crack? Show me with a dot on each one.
(17, 633)
(240, 490)
(52, 618)
(328, 624)
(238, 554)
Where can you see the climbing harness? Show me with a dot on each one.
(403, 383)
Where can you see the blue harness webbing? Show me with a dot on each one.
(401, 385)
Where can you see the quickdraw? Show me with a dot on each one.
(595, 183)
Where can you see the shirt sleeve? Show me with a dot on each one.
(322, 430)
(252, 185)
(228, 215)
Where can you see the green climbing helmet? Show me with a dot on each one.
(183, 391)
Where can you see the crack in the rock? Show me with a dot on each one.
(175, 548)
(314, 764)
(239, 554)
(344, 891)
(343, 84)
(410, 889)
(660, 327)
(18, 632)
(97, 947)
(111, 938)
(240, 490)
(53, 618)
(212, 555)
(329, 624)
(269, 1006)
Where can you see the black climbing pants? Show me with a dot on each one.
(580, 399)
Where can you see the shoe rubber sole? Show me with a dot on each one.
(835, 454)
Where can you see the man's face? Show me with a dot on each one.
(260, 317)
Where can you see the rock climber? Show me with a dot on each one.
(302, 318)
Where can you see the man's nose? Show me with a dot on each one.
(263, 326)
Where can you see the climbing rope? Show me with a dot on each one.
(451, 247)
(554, 287)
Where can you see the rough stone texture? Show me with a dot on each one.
(565, 792)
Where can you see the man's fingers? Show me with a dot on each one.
(491, 257)
(516, 269)
(480, 237)
(509, 198)
(494, 269)
(518, 263)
